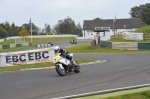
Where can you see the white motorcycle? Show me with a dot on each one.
(63, 65)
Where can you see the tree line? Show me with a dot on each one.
(65, 26)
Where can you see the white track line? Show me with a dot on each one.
(102, 92)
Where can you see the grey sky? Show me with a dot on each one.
(50, 11)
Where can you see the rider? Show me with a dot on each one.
(63, 52)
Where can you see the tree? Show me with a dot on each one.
(66, 26)
(24, 32)
(142, 12)
(35, 29)
(79, 29)
(13, 25)
(47, 29)
(2, 32)
(97, 18)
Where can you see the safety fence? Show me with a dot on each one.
(26, 57)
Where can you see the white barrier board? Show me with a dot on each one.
(132, 36)
(26, 57)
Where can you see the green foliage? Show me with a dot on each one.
(2, 31)
(35, 29)
(145, 29)
(11, 30)
(47, 28)
(97, 18)
(142, 12)
(13, 25)
(24, 32)
(66, 26)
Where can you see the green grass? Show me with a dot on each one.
(37, 65)
(86, 48)
(140, 95)
(16, 48)
(145, 29)
(12, 41)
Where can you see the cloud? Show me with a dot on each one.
(50, 11)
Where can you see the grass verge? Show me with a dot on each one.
(37, 65)
(12, 41)
(86, 48)
(119, 38)
(144, 29)
(140, 93)
(17, 48)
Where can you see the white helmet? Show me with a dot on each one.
(56, 49)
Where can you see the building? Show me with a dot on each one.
(116, 26)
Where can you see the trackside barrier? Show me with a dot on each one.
(144, 45)
(26, 57)
(125, 45)
(106, 44)
(7, 46)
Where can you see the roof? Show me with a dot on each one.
(119, 24)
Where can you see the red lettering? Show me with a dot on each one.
(19, 63)
(42, 60)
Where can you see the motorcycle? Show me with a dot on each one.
(50, 43)
(63, 65)
(73, 42)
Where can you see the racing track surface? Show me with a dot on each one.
(62, 44)
(119, 70)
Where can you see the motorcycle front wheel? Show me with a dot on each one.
(60, 70)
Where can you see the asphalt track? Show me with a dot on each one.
(114, 71)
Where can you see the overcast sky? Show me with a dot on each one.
(50, 11)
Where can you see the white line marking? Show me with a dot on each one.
(102, 92)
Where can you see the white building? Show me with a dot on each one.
(116, 26)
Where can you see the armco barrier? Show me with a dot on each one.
(143, 46)
(126, 45)
(14, 45)
(18, 45)
(26, 57)
(6, 46)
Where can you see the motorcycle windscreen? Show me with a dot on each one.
(56, 59)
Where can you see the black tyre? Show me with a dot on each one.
(60, 71)
(77, 67)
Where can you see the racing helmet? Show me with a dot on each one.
(56, 49)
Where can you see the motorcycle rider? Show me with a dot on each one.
(64, 53)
